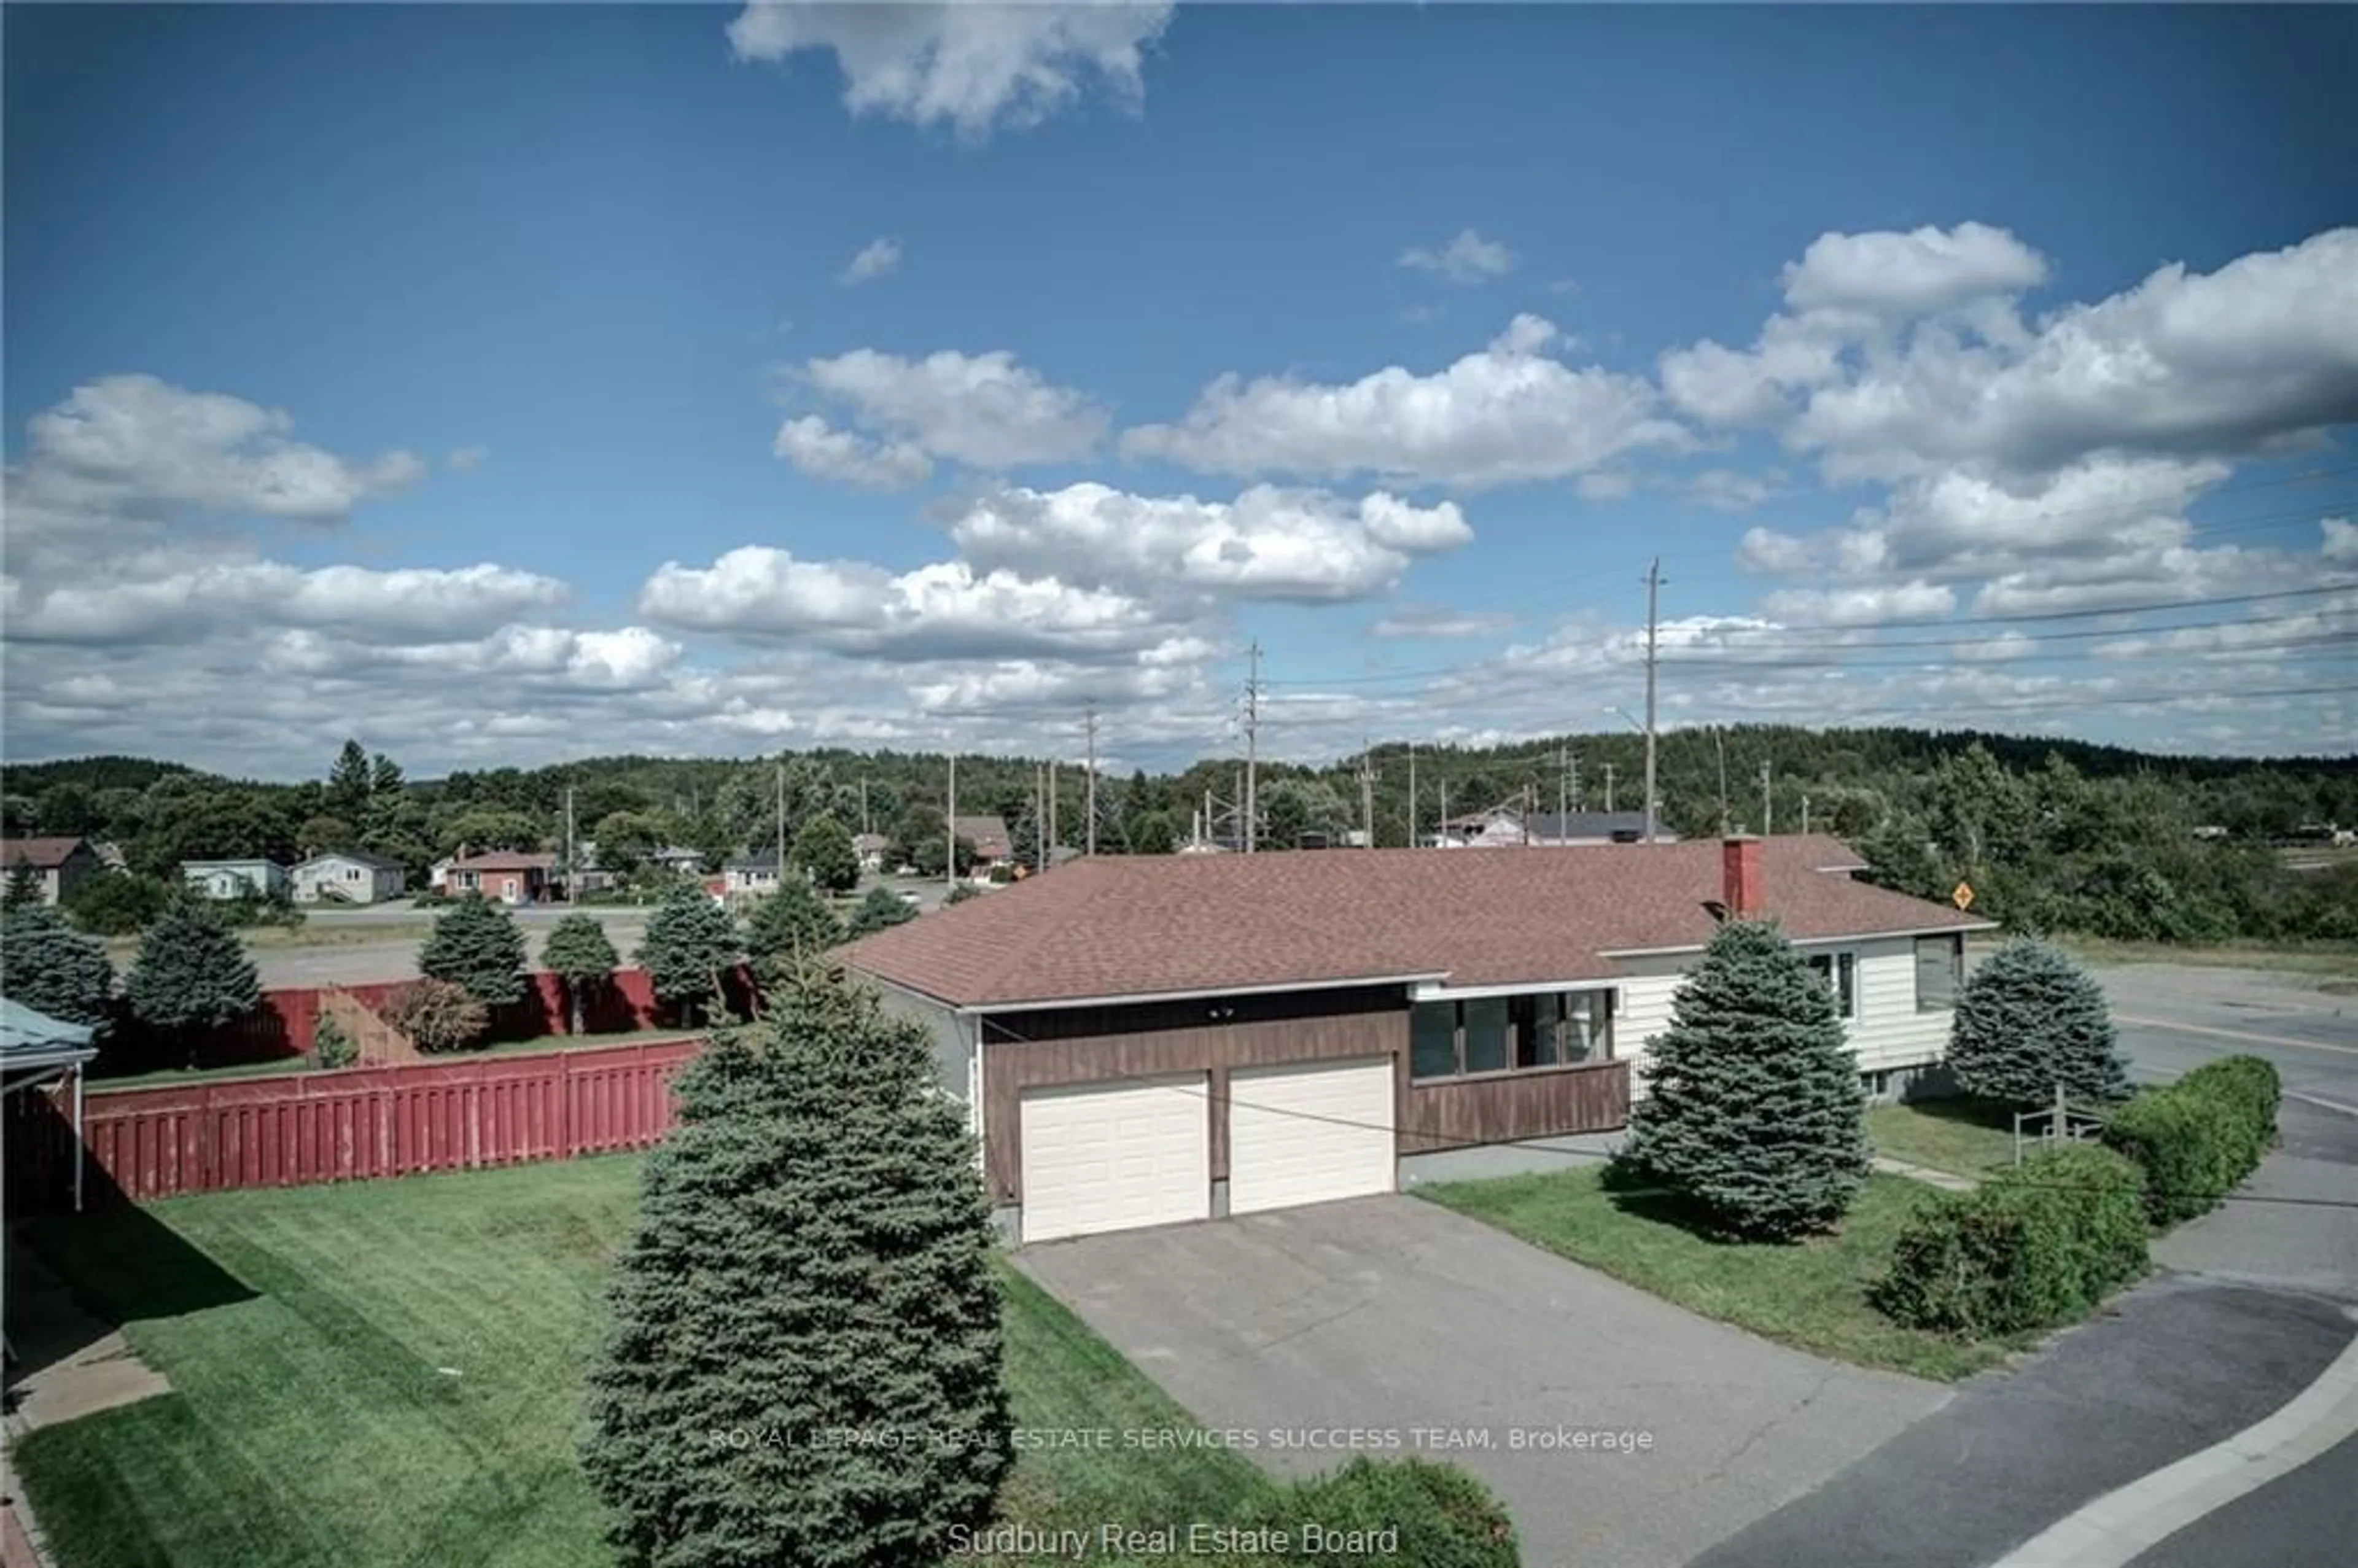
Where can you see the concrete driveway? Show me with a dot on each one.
(1421, 1330)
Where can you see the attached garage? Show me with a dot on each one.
(1116, 1157)
(1310, 1133)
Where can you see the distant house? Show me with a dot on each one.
(870, 848)
(751, 875)
(258, 877)
(679, 860)
(1504, 829)
(990, 837)
(349, 876)
(508, 876)
(62, 864)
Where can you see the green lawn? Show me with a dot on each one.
(1964, 1137)
(2328, 960)
(1812, 1295)
(169, 1077)
(390, 1373)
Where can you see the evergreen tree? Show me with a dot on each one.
(690, 944)
(25, 889)
(478, 945)
(192, 975)
(2030, 1019)
(51, 967)
(825, 850)
(580, 953)
(348, 783)
(814, 1254)
(788, 928)
(883, 908)
(384, 775)
(1754, 1111)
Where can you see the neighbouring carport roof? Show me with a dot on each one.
(33, 1044)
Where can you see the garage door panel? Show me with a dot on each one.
(1310, 1133)
(1116, 1157)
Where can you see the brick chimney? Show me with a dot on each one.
(1740, 876)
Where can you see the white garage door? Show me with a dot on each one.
(1114, 1157)
(1308, 1134)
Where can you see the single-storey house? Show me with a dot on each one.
(507, 876)
(258, 877)
(1544, 829)
(989, 838)
(678, 860)
(61, 863)
(349, 876)
(1147, 1040)
(751, 875)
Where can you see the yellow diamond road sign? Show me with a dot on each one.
(1963, 897)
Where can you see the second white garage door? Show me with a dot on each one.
(1116, 1157)
(1309, 1134)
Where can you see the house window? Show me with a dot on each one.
(1939, 972)
(1512, 1034)
(1432, 1039)
(1840, 972)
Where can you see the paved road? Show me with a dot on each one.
(1389, 1313)
(2175, 1017)
(2258, 1300)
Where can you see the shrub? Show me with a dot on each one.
(2200, 1136)
(117, 903)
(2029, 1019)
(813, 1255)
(331, 1047)
(881, 909)
(1754, 1114)
(2034, 1246)
(961, 892)
(477, 945)
(51, 967)
(1445, 1518)
(439, 1015)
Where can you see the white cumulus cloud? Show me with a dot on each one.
(1468, 258)
(876, 258)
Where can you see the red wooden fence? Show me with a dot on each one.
(340, 1126)
(283, 1028)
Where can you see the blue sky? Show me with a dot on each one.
(495, 381)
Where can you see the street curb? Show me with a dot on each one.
(2335, 1106)
(2123, 1524)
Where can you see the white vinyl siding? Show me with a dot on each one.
(1887, 1030)
(1308, 1134)
(1098, 1157)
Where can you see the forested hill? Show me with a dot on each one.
(2053, 831)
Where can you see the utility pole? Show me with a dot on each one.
(1562, 792)
(1092, 846)
(1252, 751)
(1719, 737)
(1211, 826)
(1653, 629)
(1805, 817)
(1444, 806)
(1412, 796)
(572, 865)
(782, 824)
(1575, 782)
(1048, 852)
(1235, 798)
(1608, 788)
(1528, 792)
(1367, 791)
(1768, 804)
(949, 865)
(865, 827)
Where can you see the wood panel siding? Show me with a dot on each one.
(1080, 1045)
(1542, 1102)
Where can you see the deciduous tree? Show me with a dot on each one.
(813, 1173)
(824, 849)
(581, 955)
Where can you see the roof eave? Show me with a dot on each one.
(1958, 929)
(1048, 1004)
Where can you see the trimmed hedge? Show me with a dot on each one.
(1445, 1518)
(2032, 1247)
(2196, 1139)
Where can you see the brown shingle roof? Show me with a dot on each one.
(505, 860)
(1151, 925)
(987, 833)
(43, 854)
